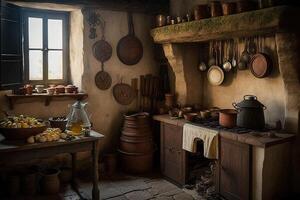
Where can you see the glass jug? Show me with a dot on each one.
(78, 120)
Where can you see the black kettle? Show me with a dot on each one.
(250, 113)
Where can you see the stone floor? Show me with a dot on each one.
(124, 187)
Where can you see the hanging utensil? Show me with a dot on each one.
(103, 79)
(252, 47)
(215, 74)
(261, 64)
(233, 49)
(102, 51)
(123, 93)
(227, 64)
(130, 48)
(244, 58)
(212, 59)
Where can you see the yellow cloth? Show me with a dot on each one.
(208, 136)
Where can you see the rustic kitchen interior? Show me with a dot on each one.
(150, 99)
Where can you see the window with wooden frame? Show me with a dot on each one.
(46, 36)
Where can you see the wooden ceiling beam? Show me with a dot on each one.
(144, 6)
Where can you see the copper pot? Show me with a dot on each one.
(244, 6)
(29, 89)
(160, 20)
(215, 9)
(169, 100)
(229, 8)
(201, 12)
(227, 118)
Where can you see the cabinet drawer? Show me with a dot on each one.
(172, 136)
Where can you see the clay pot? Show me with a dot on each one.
(215, 9)
(50, 182)
(229, 8)
(29, 182)
(51, 90)
(227, 118)
(59, 89)
(169, 100)
(29, 89)
(201, 12)
(71, 89)
(160, 20)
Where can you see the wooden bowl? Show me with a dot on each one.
(190, 116)
(21, 133)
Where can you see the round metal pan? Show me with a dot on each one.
(102, 50)
(130, 48)
(124, 94)
(261, 65)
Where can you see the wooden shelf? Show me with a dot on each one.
(263, 21)
(12, 98)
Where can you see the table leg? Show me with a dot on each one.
(96, 192)
(74, 159)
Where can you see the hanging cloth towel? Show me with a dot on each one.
(191, 133)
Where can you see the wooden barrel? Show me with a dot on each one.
(136, 143)
(136, 163)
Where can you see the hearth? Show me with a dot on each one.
(214, 124)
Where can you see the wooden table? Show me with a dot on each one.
(12, 152)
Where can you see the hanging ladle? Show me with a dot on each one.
(212, 59)
(245, 58)
(233, 49)
(227, 64)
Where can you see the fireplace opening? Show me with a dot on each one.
(201, 176)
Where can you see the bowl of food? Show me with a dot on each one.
(21, 127)
(190, 116)
(58, 122)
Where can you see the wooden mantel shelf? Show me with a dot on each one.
(264, 21)
(12, 98)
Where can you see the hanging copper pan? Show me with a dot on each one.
(103, 79)
(130, 48)
(102, 50)
(124, 94)
(261, 65)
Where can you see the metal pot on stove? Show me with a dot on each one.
(250, 113)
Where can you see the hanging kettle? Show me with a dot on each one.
(250, 113)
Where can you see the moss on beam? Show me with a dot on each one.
(253, 22)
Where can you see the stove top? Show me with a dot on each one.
(214, 124)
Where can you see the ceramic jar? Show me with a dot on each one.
(50, 181)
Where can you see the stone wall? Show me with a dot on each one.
(106, 113)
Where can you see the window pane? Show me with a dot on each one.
(35, 65)
(55, 34)
(55, 65)
(35, 32)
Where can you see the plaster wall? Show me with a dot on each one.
(269, 91)
(106, 112)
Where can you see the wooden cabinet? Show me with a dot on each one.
(172, 156)
(234, 170)
(11, 69)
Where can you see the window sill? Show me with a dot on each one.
(12, 98)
